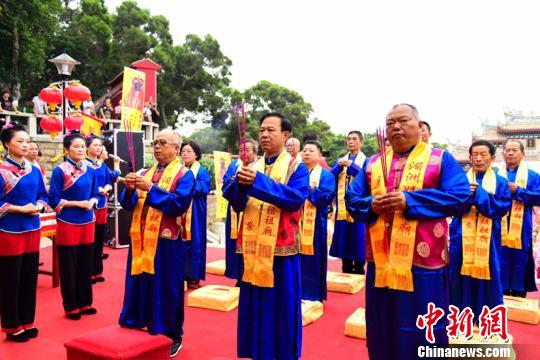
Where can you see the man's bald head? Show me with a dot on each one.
(292, 146)
(171, 134)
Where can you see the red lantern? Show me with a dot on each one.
(77, 93)
(73, 122)
(52, 96)
(52, 125)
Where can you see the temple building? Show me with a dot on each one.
(525, 128)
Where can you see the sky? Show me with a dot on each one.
(459, 62)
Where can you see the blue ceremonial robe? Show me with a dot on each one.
(104, 176)
(517, 266)
(391, 314)
(270, 319)
(195, 264)
(349, 239)
(468, 291)
(233, 261)
(157, 301)
(314, 266)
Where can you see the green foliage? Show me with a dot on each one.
(207, 162)
(209, 139)
(24, 54)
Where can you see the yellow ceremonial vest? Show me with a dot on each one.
(143, 249)
(188, 215)
(511, 238)
(342, 213)
(394, 266)
(260, 227)
(309, 213)
(476, 233)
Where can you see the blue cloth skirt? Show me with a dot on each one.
(157, 301)
(270, 319)
(391, 314)
(349, 241)
(314, 271)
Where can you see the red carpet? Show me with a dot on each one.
(208, 334)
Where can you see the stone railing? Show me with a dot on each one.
(53, 147)
(30, 121)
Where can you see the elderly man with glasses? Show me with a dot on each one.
(154, 294)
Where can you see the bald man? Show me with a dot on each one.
(154, 295)
(293, 147)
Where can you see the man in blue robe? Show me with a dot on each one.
(517, 263)
(348, 240)
(233, 260)
(476, 288)
(270, 317)
(321, 193)
(391, 313)
(156, 301)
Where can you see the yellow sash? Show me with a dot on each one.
(342, 213)
(512, 238)
(189, 213)
(260, 227)
(393, 268)
(309, 212)
(476, 233)
(143, 250)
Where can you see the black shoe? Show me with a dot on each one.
(104, 256)
(175, 348)
(99, 279)
(76, 316)
(32, 333)
(89, 311)
(22, 337)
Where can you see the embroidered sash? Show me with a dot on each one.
(72, 173)
(309, 212)
(143, 249)
(343, 184)
(260, 227)
(476, 233)
(512, 237)
(394, 266)
(11, 174)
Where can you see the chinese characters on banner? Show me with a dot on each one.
(460, 323)
(222, 161)
(132, 99)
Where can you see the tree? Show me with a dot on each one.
(87, 38)
(209, 140)
(28, 29)
(264, 97)
(195, 77)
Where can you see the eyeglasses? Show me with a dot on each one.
(162, 142)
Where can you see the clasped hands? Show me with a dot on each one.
(389, 203)
(246, 175)
(135, 181)
(31, 209)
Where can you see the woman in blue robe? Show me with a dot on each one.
(74, 194)
(195, 238)
(314, 266)
(22, 199)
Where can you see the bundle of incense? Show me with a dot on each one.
(129, 139)
(242, 133)
(381, 139)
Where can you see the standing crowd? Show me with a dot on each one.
(422, 231)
